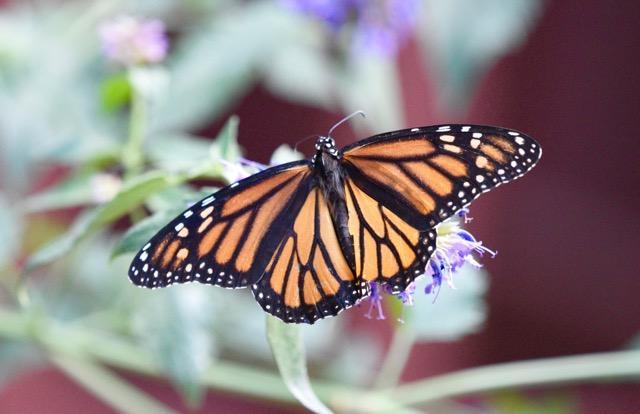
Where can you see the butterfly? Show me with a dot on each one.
(309, 236)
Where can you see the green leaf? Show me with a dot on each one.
(302, 73)
(178, 152)
(372, 85)
(132, 194)
(214, 64)
(63, 244)
(227, 146)
(461, 39)
(175, 325)
(115, 92)
(141, 232)
(77, 190)
(178, 198)
(288, 351)
(454, 312)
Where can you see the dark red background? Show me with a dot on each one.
(566, 280)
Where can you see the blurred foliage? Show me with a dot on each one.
(453, 312)
(101, 157)
(461, 39)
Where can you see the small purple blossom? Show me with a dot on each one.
(130, 41)
(376, 27)
(454, 248)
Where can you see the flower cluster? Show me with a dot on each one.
(376, 27)
(454, 248)
(129, 41)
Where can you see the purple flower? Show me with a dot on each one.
(376, 27)
(334, 13)
(454, 248)
(130, 41)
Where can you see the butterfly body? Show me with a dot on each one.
(330, 179)
(309, 236)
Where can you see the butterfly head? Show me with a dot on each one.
(327, 145)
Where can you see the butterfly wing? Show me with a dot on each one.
(228, 238)
(416, 178)
(386, 248)
(308, 276)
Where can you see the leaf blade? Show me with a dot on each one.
(288, 351)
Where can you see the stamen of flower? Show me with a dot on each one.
(375, 302)
(454, 248)
(253, 164)
(464, 214)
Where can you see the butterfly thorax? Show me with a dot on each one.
(330, 176)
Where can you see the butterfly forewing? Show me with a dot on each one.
(227, 238)
(427, 174)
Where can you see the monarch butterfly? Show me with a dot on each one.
(308, 236)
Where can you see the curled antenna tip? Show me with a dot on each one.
(345, 119)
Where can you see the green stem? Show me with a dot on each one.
(132, 155)
(80, 341)
(622, 365)
(396, 358)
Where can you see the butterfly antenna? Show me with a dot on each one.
(345, 119)
(295, 147)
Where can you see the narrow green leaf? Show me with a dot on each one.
(63, 244)
(108, 387)
(138, 234)
(72, 192)
(288, 351)
(227, 141)
(132, 194)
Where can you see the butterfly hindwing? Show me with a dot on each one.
(225, 239)
(386, 248)
(308, 277)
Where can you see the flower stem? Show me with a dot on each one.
(81, 341)
(132, 154)
(620, 365)
(396, 358)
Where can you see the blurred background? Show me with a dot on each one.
(115, 115)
